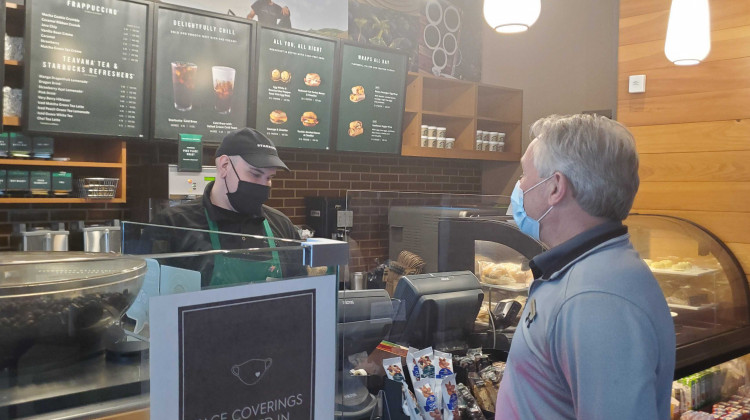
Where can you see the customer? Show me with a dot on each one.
(246, 162)
(596, 340)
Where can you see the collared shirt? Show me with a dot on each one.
(596, 339)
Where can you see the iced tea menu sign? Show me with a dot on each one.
(87, 67)
(295, 88)
(371, 102)
(202, 72)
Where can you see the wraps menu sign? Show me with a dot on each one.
(87, 63)
(259, 351)
(295, 88)
(371, 102)
(202, 74)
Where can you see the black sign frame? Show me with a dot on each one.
(340, 66)
(251, 99)
(145, 111)
(2, 51)
(336, 73)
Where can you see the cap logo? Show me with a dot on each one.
(267, 146)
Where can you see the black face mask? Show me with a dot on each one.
(249, 197)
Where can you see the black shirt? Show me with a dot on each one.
(268, 14)
(193, 215)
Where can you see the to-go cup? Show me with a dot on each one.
(432, 142)
(425, 141)
(449, 142)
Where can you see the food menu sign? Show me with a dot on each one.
(86, 67)
(295, 88)
(201, 76)
(371, 101)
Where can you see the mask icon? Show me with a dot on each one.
(250, 372)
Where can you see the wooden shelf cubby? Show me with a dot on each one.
(462, 108)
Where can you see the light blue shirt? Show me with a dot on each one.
(601, 344)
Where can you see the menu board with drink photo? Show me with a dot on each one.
(295, 88)
(371, 99)
(202, 74)
(86, 67)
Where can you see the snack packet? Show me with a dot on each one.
(428, 402)
(450, 398)
(445, 363)
(393, 371)
(424, 359)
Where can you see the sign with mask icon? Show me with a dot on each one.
(264, 350)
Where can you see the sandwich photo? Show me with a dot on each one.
(275, 75)
(358, 94)
(355, 128)
(286, 76)
(312, 79)
(278, 116)
(309, 119)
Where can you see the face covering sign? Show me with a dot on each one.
(255, 351)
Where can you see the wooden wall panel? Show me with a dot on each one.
(695, 167)
(705, 196)
(725, 45)
(693, 137)
(629, 8)
(644, 27)
(693, 107)
(668, 81)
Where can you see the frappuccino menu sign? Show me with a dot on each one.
(371, 102)
(86, 67)
(295, 88)
(202, 73)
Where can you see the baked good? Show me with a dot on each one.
(286, 76)
(278, 116)
(505, 273)
(309, 119)
(355, 128)
(312, 79)
(358, 94)
(275, 75)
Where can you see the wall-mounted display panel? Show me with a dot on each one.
(202, 74)
(86, 67)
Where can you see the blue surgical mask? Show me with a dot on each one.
(527, 225)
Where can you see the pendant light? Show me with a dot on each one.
(511, 16)
(688, 32)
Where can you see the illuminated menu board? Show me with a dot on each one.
(371, 100)
(86, 67)
(202, 73)
(295, 88)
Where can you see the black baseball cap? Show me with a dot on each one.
(252, 146)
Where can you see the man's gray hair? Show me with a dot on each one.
(596, 154)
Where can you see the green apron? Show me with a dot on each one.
(229, 270)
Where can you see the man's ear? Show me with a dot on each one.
(559, 189)
(222, 166)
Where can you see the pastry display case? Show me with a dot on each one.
(704, 284)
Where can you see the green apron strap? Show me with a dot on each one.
(272, 244)
(214, 228)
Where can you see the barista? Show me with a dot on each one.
(246, 162)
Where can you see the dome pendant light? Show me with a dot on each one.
(688, 32)
(511, 16)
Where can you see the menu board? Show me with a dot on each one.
(295, 88)
(202, 74)
(86, 67)
(371, 100)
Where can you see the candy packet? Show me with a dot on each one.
(450, 398)
(428, 401)
(445, 364)
(393, 371)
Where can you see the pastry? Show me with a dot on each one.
(309, 119)
(358, 94)
(312, 79)
(355, 128)
(505, 273)
(278, 117)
